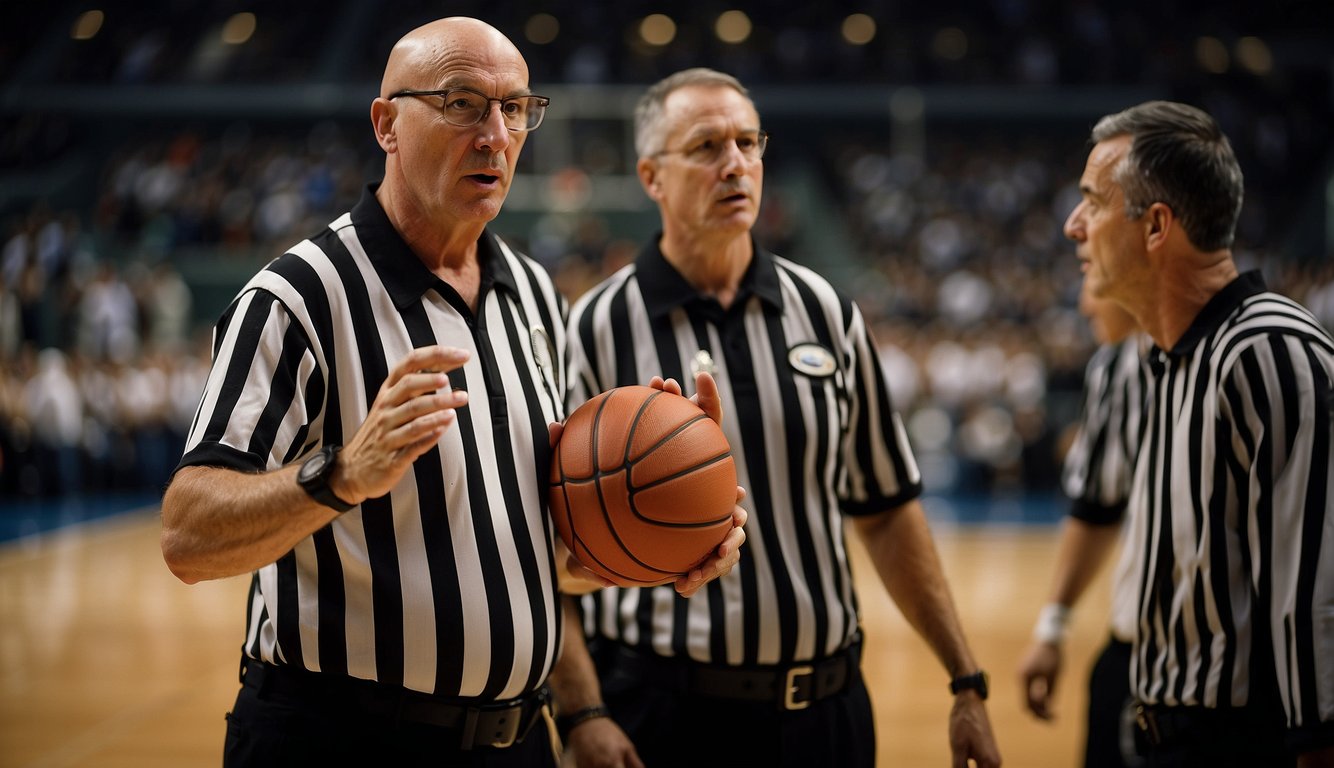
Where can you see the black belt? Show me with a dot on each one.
(501, 724)
(1162, 726)
(788, 687)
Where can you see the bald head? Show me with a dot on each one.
(435, 47)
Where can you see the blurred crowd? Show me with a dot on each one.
(960, 263)
(965, 276)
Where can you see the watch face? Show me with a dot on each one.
(313, 467)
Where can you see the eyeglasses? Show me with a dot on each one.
(465, 107)
(710, 149)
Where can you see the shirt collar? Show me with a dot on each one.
(664, 288)
(1219, 309)
(404, 276)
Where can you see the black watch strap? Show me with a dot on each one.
(564, 723)
(314, 478)
(977, 681)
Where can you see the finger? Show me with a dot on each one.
(430, 358)
(707, 398)
(554, 430)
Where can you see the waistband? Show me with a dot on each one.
(1162, 726)
(790, 687)
(499, 724)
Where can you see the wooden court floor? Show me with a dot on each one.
(107, 661)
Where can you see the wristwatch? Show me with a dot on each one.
(974, 682)
(314, 478)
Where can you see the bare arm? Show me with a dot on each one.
(1080, 555)
(596, 742)
(220, 522)
(899, 543)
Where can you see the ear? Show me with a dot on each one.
(383, 114)
(647, 169)
(1159, 226)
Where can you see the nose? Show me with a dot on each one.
(1074, 224)
(734, 160)
(492, 134)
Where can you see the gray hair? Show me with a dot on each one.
(649, 127)
(1178, 156)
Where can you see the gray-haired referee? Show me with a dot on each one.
(1234, 645)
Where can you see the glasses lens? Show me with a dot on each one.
(520, 113)
(524, 113)
(465, 107)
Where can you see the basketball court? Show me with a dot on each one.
(106, 660)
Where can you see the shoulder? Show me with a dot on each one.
(616, 284)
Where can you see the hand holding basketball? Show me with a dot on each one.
(643, 489)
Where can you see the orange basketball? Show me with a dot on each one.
(642, 485)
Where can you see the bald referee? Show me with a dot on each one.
(770, 653)
(373, 445)
(1233, 654)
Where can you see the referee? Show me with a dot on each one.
(1234, 552)
(772, 651)
(1096, 477)
(373, 444)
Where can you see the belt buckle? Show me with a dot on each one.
(492, 727)
(1147, 723)
(790, 687)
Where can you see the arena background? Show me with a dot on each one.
(154, 154)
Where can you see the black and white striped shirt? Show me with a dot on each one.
(447, 584)
(1233, 482)
(813, 432)
(1101, 460)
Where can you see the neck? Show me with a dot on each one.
(712, 266)
(1181, 293)
(449, 252)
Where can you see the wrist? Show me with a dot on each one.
(1052, 624)
(567, 723)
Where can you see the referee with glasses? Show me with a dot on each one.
(1096, 477)
(1233, 655)
(771, 652)
(372, 445)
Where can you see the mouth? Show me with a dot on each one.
(739, 197)
(485, 178)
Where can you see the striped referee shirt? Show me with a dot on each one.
(1236, 557)
(812, 430)
(1101, 460)
(446, 584)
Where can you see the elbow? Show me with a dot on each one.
(177, 558)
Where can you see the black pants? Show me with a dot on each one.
(1110, 734)
(671, 729)
(281, 728)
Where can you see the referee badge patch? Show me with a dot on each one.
(812, 360)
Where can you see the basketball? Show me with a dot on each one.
(642, 485)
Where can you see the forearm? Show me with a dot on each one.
(900, 544)
(1082, 550)
(220, 522)
(574, 679)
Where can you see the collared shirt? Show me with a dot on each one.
(446, 584)
(812, 430)
(1236, 551)
(1101, 460)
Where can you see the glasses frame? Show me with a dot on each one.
(761, 139)
(543, 102)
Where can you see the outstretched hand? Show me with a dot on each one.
(411, 412)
